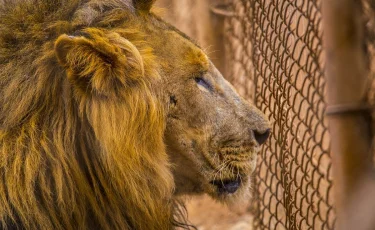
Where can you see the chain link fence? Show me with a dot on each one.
(274, 56)
(275, 47)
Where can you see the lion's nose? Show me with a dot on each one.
(261, 137)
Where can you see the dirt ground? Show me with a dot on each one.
(207, 214)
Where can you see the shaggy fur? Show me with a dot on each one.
(97, 97)
(81, 142)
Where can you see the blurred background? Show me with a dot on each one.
(309, 84)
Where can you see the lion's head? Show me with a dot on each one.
(212, 134)
(107, 113)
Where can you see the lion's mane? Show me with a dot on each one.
(82, 157)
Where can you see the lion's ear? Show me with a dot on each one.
(143, 5)
(99, 61)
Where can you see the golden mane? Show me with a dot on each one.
(79, 157)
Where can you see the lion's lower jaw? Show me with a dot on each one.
(229, 195)
(240, 195)
(231, 185)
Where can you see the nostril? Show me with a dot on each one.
(261, 137)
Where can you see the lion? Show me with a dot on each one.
(108, 114)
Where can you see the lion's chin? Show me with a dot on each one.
(227, 186)
(234, 184)
(230, 191)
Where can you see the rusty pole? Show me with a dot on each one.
(349, 116)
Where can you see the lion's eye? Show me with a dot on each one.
(201, 82)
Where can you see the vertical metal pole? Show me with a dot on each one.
(349, 118)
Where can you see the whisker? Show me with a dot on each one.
(220, 169)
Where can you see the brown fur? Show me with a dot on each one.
(96, 98)
(88, 155)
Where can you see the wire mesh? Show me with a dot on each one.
(283, 38)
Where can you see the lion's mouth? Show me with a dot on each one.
(227, 186)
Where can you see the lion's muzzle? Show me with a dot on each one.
(227, 186)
